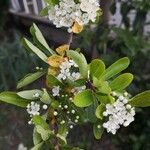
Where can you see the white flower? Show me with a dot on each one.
(77, 117)
(76, 121)
(33, 108)
(55, 91)
(65, 106)
(45, 107)
(55, 113)
(71, 126)
(21, 147)
(90, 7)
(119, 113)
(73, 111)
(62, 122)
(67, 12)
(65, 71)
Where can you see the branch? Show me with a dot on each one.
(70, 39)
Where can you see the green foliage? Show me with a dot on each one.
(38, 146)
(116, 68)
(28, 45)
(99, 84)
(29, 79)
(39, 40)
(45, 98)
(99, 111)
(98, 131)
(53, 81)
(121, 82)
(141, 100)
(97, 67)
(83, 99)
(28, 94)
(13, 98)
(80, 60)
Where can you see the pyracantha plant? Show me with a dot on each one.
(74, 92)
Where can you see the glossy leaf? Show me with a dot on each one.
(80, 60)
(39, 36)
(34, 49)
(52, 2)
(36, 137)
(38, 120)
(45, 134)
(90, 112)
(97, 67)
(102, 86)
(99, 111)
(104, 98)
(83, 99)
(98, 131)
(121, 82)
(29, 94)
(141, 100)
(116, 68)
(29, 78)
(44, 12)
(13, 98)
(53, 81)
(45, 98)
(38, 146)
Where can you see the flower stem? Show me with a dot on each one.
(70, 39)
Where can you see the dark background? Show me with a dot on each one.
(131, 41)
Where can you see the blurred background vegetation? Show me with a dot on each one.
(105, 41)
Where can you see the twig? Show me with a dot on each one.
(70, 39)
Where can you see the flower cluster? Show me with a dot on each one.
(71, 116)
(33, 108)
(67, 12)
(66, 68)
(119, 113)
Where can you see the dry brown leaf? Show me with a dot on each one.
(62, 49)
(55, 60)
(76, 28)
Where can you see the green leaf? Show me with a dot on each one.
(80, 60)
(40, 38)
(29, 94)
(13, 98)
(28, 45)
(141, 100)
(36, 137)
(29, 78)
(62, 139)
(121, 82)
(83, 99)
(38, 146)
(102, 86)
(38, 120)
(53, 81)
(116, 68)
(44, 12)
(99, 111)
(90, 112)
(55, 104)
(98, 131)
(62, 130)
(45, 98)
(97, 67)
(104, 98)
(52, 2)
(45, 134)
